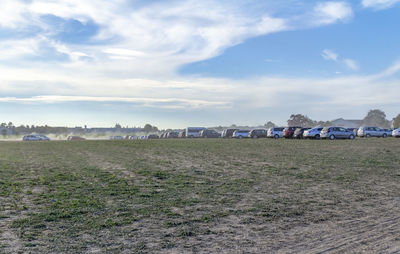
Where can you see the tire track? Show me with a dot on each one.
(371, 234)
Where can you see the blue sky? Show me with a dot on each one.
(202, 63)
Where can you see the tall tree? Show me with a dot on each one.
(148, 128)
(269, 124)
(300, 120)
(396, 122)
(376, 117)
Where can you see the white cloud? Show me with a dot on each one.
(379, 4)
(176, 103)
(329, 55)
(134, 57)
(332, 12)
(351, 64)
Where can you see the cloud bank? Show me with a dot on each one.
(100, 51)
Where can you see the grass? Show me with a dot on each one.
(183, 195)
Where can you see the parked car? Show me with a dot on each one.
(396, 133)
(368, 131)
(35, 137)
(389, 132)
(227, 133)
(258, 133)
(209, 134)
(354, 130)
(336, 133)
(314, 133)
(298, 133)
(182, 134)
(153, 136)
(193, 132)
(276, 132)
(75, 138)
(116, 138)
(241, 134)
(289, 131)
(172, 134)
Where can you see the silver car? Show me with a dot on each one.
(336, 133)
(276, 132)
(35, 137)
(368, 131)
(241, 134)
(313, 133)
(396, 133)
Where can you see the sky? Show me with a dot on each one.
(182, 63)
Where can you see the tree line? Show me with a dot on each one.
(375, 117)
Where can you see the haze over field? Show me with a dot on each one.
(207, 63)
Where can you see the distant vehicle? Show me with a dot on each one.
(182, 134)
(241, 134)
(289, 131)
(298, 133)
(314, 133)
(75, 138)
(133, 137)
(35, 137)
(172, 134)
(276, 132)
(354, 130)
(209, 134)
(163, 135)
(193, 132)
(389, 132)
(116, 138)
(336, 133)
(258, 133)
(368, 131)
(153, 136)
(227, 133)
(396, 133)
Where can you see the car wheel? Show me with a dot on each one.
(332, 137)
(351, 137)
(276, 136)
(384, 135)
(368, 136)
(240, 137)
(255, 137)
(317, 136)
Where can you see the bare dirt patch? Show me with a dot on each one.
(207, 196)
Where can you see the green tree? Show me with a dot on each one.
(396, 121)
(147, 128)
(269, 124)
(376, 117)
(300, 120)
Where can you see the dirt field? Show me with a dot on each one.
(201, 196)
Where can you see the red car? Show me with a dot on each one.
(289, 131)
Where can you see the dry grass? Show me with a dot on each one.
(279, 196)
